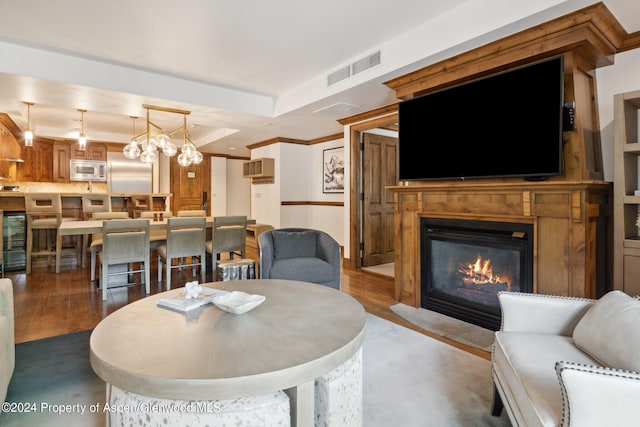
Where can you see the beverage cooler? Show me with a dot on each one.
(14, 235)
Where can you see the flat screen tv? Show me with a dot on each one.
(504, 125)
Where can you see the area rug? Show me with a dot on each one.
(53, 384)
(445, 326)
(409, 380)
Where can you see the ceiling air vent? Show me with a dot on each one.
(338, 75)
(365, 63)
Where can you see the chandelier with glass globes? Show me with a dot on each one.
(147, 145)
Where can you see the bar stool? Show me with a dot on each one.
(141, 202)
(92, 203)
(44, 212)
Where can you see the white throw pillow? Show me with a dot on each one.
(610, 331)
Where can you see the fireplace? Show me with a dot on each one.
(465, 263)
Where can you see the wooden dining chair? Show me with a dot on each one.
(124, 243)
(229, 234)
(185, 238)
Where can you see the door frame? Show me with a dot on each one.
(355, 154)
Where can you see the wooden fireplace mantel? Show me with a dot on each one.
(571, 222)
(571, 213)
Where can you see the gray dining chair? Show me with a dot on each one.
(92, 203)
(228, 234)
(96, 239)
(124, 243)
(185, 238)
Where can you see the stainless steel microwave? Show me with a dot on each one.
(88, 170)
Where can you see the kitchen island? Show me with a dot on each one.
(13, 204)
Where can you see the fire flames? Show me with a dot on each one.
(480, 272)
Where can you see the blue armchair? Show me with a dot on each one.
(300, 254)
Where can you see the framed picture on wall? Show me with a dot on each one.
(333, 170)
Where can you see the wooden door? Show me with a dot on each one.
(189, 183)
(380, 169)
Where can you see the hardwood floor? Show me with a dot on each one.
(48, 304)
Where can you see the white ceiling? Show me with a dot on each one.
(248, 70)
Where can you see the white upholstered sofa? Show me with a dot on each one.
(7, 337)
(560, 361)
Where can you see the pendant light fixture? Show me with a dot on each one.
(28, 133)
(156, 140)
(82, 138)
(131, 150)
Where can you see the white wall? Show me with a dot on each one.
(265, 198)
(298, 178)
(302, 174)
(623, 76)
(218, 186)
(238, 189)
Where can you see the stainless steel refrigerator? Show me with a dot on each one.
(127, 176)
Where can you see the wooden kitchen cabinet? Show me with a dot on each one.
(61, 165)
(9, 149)
(38, 162)
(94, 151)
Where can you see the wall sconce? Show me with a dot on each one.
(154, 139)
(28, 133)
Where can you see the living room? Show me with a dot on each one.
(297, 198)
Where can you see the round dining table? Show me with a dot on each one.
(300, 332)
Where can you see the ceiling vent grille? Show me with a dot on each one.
(365, 63)
(338, 75)
(359, 66)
